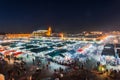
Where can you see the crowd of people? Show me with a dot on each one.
(21, 70)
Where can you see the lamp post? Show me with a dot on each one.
(115, 41)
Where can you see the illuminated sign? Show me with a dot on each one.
(107, 47)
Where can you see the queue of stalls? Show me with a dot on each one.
(63, 52)
(5, 51)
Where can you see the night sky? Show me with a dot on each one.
(61, 15)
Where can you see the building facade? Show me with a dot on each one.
(21, 35)
(39, 33)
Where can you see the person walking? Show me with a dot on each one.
(33, 61)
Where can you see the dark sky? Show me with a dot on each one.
(62, 15)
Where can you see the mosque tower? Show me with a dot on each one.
(49, 31)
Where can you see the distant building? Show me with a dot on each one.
(39, 33)
(2, 37)
(20, 35)
(96, 32)
(115, 33)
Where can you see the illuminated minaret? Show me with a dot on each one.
(49, 31)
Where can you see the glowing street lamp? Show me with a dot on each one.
(61, 35)
(101, 68)
(2, 77)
